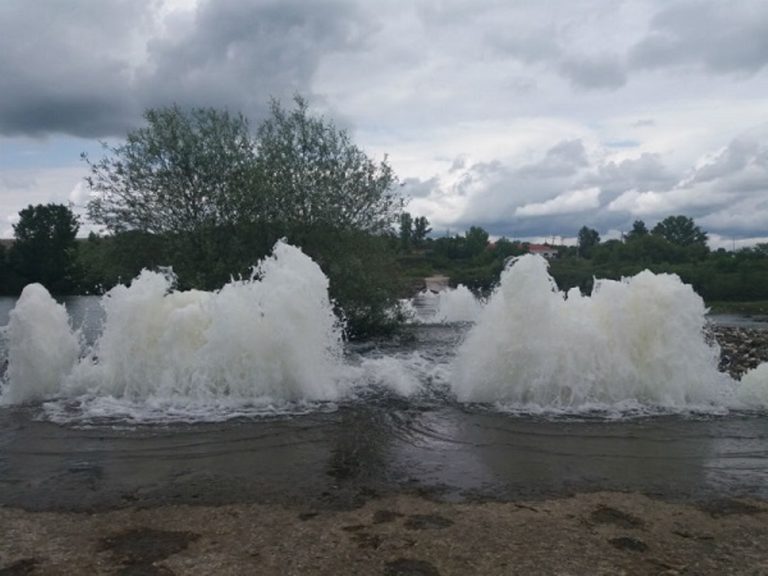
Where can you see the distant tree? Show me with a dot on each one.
(588, 238)
(420, 230)
(44, 250)
(610, 251)
(639, 230)
(312, 173)
(503, 248)
(5, 287)
(406, 230)
(681, 231)
(477, 241)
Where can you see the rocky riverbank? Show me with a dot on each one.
(597, 534)
(741, 349)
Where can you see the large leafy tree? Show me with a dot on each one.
(44, 250)
(184, 170)
(201, 168)
(681, 231)
(219, 196)
(312, 173)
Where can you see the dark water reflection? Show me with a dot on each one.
(338, 458)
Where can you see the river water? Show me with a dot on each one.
(177, 398)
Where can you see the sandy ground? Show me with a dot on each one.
(597, 533)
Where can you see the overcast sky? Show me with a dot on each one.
(529, 118)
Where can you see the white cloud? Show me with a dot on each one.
(23, 187)
(566, 203)
(494, 113)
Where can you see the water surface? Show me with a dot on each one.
(250, 394)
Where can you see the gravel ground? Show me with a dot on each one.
(741, 349)
(406, 535)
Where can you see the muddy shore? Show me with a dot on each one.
(404, 535)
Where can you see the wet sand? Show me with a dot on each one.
(596, 533)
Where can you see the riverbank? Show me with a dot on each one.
(589, 533)
(741, 348)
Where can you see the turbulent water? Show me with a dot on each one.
(452, 305)
(271, 344)
(270, 339)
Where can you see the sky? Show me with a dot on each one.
(530, 118)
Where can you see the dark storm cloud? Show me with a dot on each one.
(90, 68)
(415, 188)
(594, 73)
(647, 172)
(563, 159)
(734, 158)
(238, 53)
(721, 37)
(60, 68)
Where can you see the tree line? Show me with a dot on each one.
(674, 245)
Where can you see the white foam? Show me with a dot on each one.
(639, 341)
(405, 374)
(268, 340)
(41, 347)
(447, 306)
(753, 391)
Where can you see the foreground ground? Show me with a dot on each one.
(598, 533)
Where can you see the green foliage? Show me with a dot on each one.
(588, 238)
(468, 260)
(638, 231)
(44, 250)
(476, 241)
(5, 271)
(364, 277)
(406, 230)
(681, 231)
(311, 173)
(413, 231)
(105, 261)
(420, 230)
(197, 191)
(183, 171)
(719, 275)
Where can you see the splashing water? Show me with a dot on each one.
(635, 342)
(271, 339)
(41, 347)
(272, 344)
(447, 306)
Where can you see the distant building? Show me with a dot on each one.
(549, 252)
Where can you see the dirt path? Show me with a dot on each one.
(599, 533)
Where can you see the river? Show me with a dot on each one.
(401, 421)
